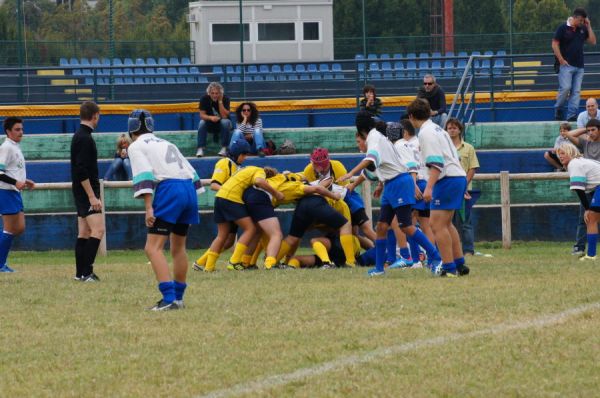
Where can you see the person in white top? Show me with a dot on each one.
(396, 169)
(13, 179)
(445, 188)
(169, 184)
(584, 177)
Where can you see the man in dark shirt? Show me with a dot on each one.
(435, 95)
(214, 117)
(567, 45)
(86, 192)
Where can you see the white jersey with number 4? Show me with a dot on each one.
(154, 160)
(438, 151)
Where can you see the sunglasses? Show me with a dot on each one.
(246, 110)
(428, 84)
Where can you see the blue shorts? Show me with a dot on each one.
(595, 202)
(176, 202)
(10, 202)
(228, 211)
(354, 201)
(421, 204)
(449, 193)
(258, 204)
(399, 191)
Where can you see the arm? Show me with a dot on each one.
(359, 180)
(223, 107)
(215, 186)
(320, 190)
(470, 175)
(149, 210)
(591, 35)
(363, 164)
(434, 175)
(574, 135)
(263, 184)
(95, 203)
(206, 117)
(557, 54)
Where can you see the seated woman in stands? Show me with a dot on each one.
(249, 126)
(120, 168)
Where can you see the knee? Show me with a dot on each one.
(225, 124)
(98, 232)
(202, 127)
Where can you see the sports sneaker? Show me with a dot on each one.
(328, 265)
(90, 278)
(235, 266)
(588, 258)
(462, 270)
(223, 151)
(376, 272)
(578, 251)
(252, 267)
(197, 267)
(199, 153)
(349, 265)
(416, 265)
(6, 268)
(401, 263)
(179, 304)
(161, 305)
(437, 269)
(77, 278)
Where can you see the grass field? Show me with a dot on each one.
(526, 322)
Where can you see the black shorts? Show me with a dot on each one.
(336, 252)
(226, 210)
(258, 204)
(162, 227)
(424, 213)
(314, 209)
(402, 213)
(359, 217)
(84, 208)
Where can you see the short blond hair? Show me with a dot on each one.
(570, 150)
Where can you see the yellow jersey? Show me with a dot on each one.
(224, 169)
(336, 170)
(341, 207)
(290, 185)
(234, 187)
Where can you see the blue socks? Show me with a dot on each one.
(405, 253)
(367, 258)
(168, 291)
(449, 267)
(414, 248)
(592, 241)
(421, 240)
(390, 246)
(179, 289)
(5, 242)
(380, 254)
(459, 261)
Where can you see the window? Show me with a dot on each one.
(276, 32)
(229, 32)
(311, 30)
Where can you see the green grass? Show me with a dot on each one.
(61, 338)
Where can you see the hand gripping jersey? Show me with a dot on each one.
(154, 160)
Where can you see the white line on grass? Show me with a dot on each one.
(286, 378)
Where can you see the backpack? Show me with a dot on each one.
(270, 148)
(287, 148)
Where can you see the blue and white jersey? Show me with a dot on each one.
(388, 160)
(437, 150)
(413, 145)
(584, 174)
(154, 160)
(12, 163)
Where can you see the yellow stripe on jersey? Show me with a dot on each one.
(224, 169)
(289, 185)
(341, 207)
(234, 187)
(337, 170)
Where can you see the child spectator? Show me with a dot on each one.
(120, 168)
(562, 138)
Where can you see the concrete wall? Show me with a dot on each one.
(203, 14)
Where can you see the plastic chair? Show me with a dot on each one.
(448, 68)
(128, 62)
(162, 61)
(151, 62)
(96, 62)
(117, 62)
(186, 61)
(63, 62)
(74, 62)
(398, 56)
(84, 62)
(384, 56)
(174, 61)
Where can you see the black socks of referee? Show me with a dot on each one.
(85, 255)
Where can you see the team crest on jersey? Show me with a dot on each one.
(400, 201)
(437, 202)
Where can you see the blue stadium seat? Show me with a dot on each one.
(316, 76)
(170, 80)
(203, 79)
(162, 61)
(119, 81)
(423, 55)
(235, 78)
(384, 56)
(77, 72)
(281, 77)
(372, 56)
(151, 62)
(292, 76)
(312, 68)
(436, 55)
(449, 54)
(172, 71)
(138, 80)
(411, 69)
(87, 72)
(423, 67)
(476, 61)
(194, 70)
(323, 68)
(96, 62)
(304, 77)
(338, 71)
(150, 73)
(140, 62)
(89, 81)
(289, 70)
(139, 72)
(229, 70)
(398, 56)
(411, 56)
(269, 77)
(257, 78)
(399, 69)
(128, 72)
(173, 61)
(386, 68)
(276, 69)
(105, 61)
(63, 62)
(128, 80)
(359, 57)
(448, 68)
(181, 79)
(300, 68)
(217, 70)
(374, 71)
(160, 76)
(264, 69)
(186, 61)
(498, 66)
(74, 62)
(103, 72)
(436, 67)
(128, 62)
(463, 54)
(117, 62)
(460, 67)
(182, 70)
(252, 70)
(84, 62)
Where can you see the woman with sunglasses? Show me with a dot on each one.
(249, 126)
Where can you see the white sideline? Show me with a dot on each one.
(286, 378)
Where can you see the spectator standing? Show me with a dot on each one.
(470, 164)
(590, 147)
(562, 138)
(435, 95)
(591, 112)
(13, 179)
(86, 192)
(567, 45)
(249, 126)
(214, 117)
(121, 163)
(370, 103)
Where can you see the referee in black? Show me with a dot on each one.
(86, 191)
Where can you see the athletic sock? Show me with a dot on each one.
(414, 248)
(459, 261)
(5, 241)
(379, 254)
(405, 253)
(91, 249)
(80, 257)
(592, 241)
(179, 289)
(168, 291)
(238, 252)
(284, 249)
(449, 267)
(390, 247)
(211, 260)
(421, 240)
(347, 242)
(270, 261)
(202, 259)
(367, 258)
(321, 252)
(246, 259)
(294, 263)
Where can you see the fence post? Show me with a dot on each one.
(102, 248)
(505, 209)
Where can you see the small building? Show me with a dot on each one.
(274, 31)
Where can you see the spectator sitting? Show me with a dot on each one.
(214, 117)
(550, 155)
(591, 112)
(120, 168)
(435, 95)
(370, 103)
(249, 126)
